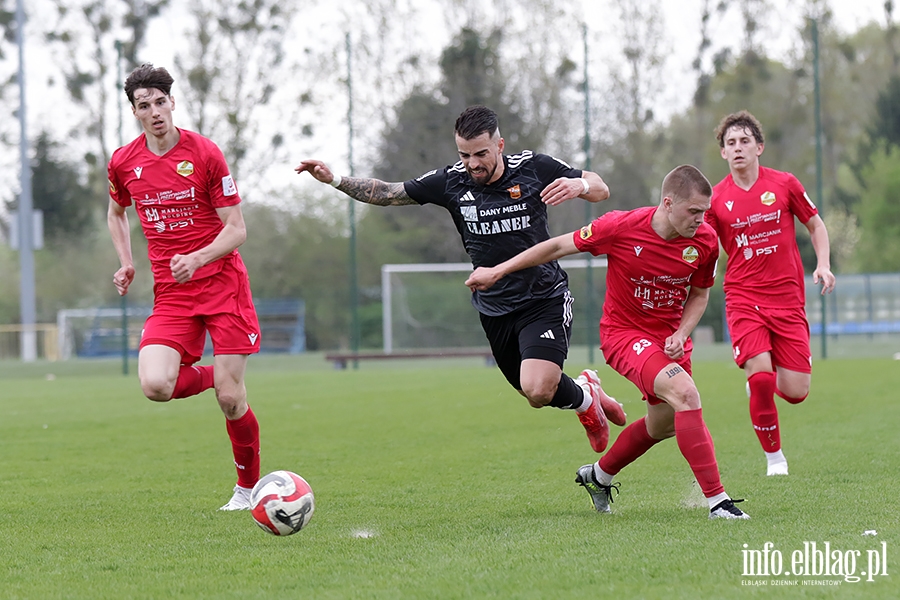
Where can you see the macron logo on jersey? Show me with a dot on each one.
(138, 171)
(637, 250)
(252, 337)
(729, 204)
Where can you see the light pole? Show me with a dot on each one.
(26, 237)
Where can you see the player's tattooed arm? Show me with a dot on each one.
(375, 191)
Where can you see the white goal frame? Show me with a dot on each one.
(387, 270)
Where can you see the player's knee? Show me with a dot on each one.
(538, 395)
(158, 390)
(232, 401)
(684, 397)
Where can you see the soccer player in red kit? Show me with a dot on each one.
(661, 264)
(753, 212)
(190, 213)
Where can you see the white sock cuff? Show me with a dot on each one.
(718, 498)
(601, 475)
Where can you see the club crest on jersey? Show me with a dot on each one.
(767, 198)
(586, 232)
(515, 192)
(690, 254)
(185, 168)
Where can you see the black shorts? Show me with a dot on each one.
(540, 329)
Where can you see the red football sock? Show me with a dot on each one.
(763, 413)
(244, 434)
(696, 446)
(628, 447)
(193, 379)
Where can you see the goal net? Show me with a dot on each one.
(427, 305)
(98, 332)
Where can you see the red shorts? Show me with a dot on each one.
(784, 332)
(639, 358)
(220, 304)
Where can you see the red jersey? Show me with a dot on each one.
(757, 231)
(176, 196)
(647, 277)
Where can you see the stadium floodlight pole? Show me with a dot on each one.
(123, 299)
(589, 272)
(28, 343)
(820, 201)
(354, 293)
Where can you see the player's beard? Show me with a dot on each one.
(485, 179)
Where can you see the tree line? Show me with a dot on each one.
(264, 95)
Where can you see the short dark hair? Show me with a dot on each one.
(742, 119)
(147, 76)
(684, 181)
(476, 120)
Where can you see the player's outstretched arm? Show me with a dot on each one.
(484, 277)
(119, 230)
(370, 191)
(589, 186)
(818, 235)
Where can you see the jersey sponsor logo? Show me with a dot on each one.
(637, 250)
(729, 204)
(586, 232)
(151, 214)
(112, 187)
(741, 240)
(767, 198)
(185, 168)
(767, 250)
(428, 174)
(805, 195)
(228, 187)
(469, 213)
(690, 254)
(515, 192)
(467, 197)
(138, 171)
(160, 226)
(548, 335)
(252, 337)
(499, 226)
(748, 253)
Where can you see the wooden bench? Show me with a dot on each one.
(340, 359)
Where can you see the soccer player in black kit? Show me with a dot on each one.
(499, 205)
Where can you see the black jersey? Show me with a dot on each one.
(499, 220)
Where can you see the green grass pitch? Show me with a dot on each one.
(432, 480)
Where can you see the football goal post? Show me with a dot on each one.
(426, 305)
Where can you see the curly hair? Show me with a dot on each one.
(743, 120)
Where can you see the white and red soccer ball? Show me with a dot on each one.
(282, 503)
